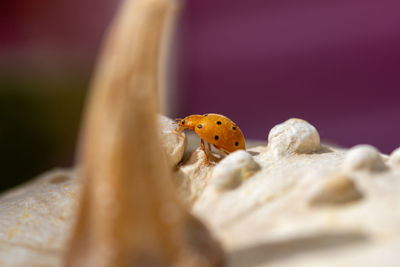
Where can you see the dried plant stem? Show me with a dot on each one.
(129, 214)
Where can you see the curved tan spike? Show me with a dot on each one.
(129, 214)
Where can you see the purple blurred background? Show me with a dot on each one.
(335, 64)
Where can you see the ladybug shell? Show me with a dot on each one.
(221, 132)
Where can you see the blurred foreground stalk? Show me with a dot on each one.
(129, 214)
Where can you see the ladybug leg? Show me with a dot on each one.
(177, 130)
(204, 149)
(209, 147)
(227, 153)
(177, 127)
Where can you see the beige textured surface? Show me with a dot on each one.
(35, 218)
(297, 210)
(309, 209)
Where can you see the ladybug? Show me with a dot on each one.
(215, 129)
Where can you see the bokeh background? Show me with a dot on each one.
(334, 63)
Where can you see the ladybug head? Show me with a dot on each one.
(182, 124)
(188, 122)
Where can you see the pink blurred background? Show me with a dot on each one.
(334, 63)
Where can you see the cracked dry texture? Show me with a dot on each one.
(192, 176)
(329, 207)
(174, 142)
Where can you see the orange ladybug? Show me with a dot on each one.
(215, 129)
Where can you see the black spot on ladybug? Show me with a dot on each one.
(183, 122)
(233, 128)
(216, 137)
(236, 143)
(199, 126)
(219, 123)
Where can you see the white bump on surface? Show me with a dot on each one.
(395, 157)
(363, 157)
(233, 169)
(337, 189)
(172, 141)
(293, 136)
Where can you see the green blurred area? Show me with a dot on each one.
(39, 121)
